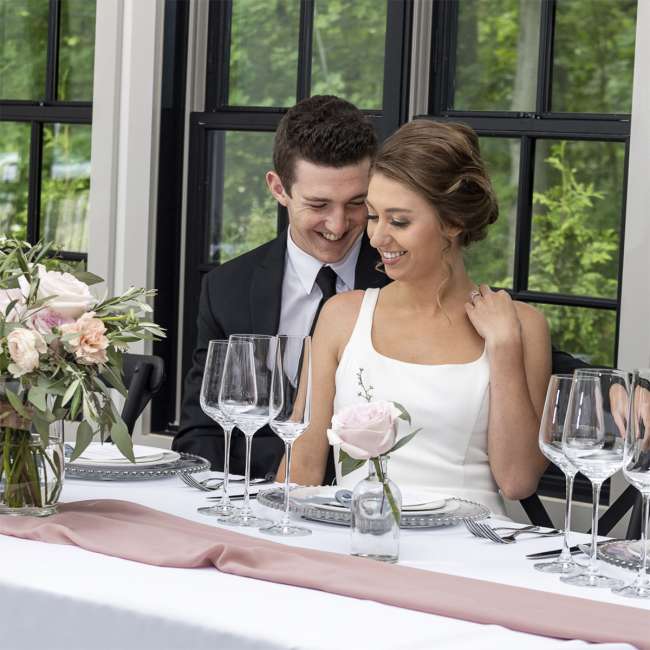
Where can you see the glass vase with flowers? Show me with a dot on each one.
(60, 354)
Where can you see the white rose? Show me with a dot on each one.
(24, 346)
(7, 296)
(72, 297)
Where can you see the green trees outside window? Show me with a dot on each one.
(39, 144)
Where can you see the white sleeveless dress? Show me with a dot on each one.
(450, 402)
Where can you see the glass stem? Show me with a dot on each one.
(643, 566)
(287, 479)
(593, 560)
(227, 435)
(565, 556)
(246, 511)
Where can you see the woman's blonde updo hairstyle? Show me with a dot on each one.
(441, 162)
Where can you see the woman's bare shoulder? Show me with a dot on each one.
(339, 314)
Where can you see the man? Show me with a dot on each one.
(322, 153)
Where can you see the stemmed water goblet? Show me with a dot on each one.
(550, 443)
(593, 441)
(245, 397)
(209, 401)
(636, 469)
(291, 409)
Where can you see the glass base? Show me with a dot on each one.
(286, 530)
(559, 567)
(28, 511)
(592, 580)
(246, 521)
(225, 512)
(391, 559)
(638, 589)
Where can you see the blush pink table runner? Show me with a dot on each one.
(134, 532)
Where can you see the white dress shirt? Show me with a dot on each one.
(301, 294)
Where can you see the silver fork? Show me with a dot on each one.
(483, 530)
(204, 486)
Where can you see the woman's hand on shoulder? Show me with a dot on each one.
(494, 317)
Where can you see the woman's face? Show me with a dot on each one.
(405, 229)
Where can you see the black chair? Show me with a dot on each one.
(143, 375)
(629, 498)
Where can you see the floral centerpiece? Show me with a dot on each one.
(367, 432)
(60, 354)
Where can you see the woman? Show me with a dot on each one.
(470, 365)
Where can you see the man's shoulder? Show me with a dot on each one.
(240, 268)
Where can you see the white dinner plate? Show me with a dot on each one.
(108, 455)
(420, 500)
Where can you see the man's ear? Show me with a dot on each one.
(276, 188)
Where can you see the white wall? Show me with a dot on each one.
(126, 112)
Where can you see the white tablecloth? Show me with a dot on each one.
(64, 597)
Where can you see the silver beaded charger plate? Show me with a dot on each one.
(187, 463)
(462, 509)
(623, 553)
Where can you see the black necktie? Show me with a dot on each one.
(326, 281)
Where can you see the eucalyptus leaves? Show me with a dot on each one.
(61, 347)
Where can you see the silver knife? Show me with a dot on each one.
(556, 552)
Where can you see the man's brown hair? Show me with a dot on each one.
(324, 130)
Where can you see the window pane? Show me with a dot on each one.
(14, 178)
(492, 260)
(242, 212)
(594, 56)
(348, 51)
(23, 48)
(264, 52)
(496, 55)
(589, 334)
(76, 50)
(65, 185)
(577, 204)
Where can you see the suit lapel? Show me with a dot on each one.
(266, 288)
(366, 275)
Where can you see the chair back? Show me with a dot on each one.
(143, 375)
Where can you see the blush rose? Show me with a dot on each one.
(25, 346)
(69, 297)
(365, 430)
(90, 343)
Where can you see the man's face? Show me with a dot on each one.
(326, 208)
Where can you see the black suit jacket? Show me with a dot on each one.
(244, 296)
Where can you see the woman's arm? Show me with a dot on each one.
(518, 347)
(333, 330)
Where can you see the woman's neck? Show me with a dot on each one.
(448, 288)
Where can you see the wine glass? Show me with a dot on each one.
(550, 443)
(245, 397)
(291, 408)
(209, 400)
(593, 441)
(636, 468)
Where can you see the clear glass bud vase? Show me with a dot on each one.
(376, 511)
(31, 465)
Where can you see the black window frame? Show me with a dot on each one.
(219, 116)
(543, 123)
(44, 111)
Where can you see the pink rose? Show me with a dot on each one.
(7, 296)
(365, 430)
(68, 296)
(24, 346)
(90, 343)
(45, 320)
